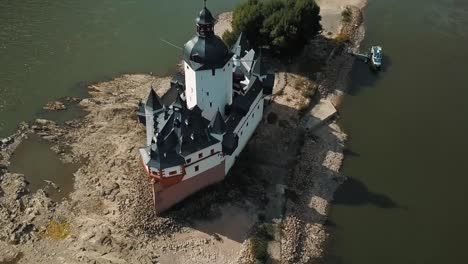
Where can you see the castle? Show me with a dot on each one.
(196, 131)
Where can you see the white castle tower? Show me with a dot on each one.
(199, 128)
(208, 69)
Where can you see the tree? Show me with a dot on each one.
(283, 25)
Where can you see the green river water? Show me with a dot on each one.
(405, 201)
(50, 49)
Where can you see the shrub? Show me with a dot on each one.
(343, 37)
(259, 242)
(229, 38)
(272, 118)
(58, 229)
(346, 15)
(283, 25)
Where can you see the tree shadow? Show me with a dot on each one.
(353, 192)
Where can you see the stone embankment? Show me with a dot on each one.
(316, 175)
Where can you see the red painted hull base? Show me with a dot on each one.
(166, 197)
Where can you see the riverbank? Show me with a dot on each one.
(109, 219)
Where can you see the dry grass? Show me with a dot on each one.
(57, 229)
(346, 15)
(343, 37)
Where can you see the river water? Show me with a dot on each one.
(406, 200)
(50, 49)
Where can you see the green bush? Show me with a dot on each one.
(283, 25)
(229, 38)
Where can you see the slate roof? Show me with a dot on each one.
(163, 153)
(203, 53)
(241, 46)
(153, 101)
(180, 131)
(217, 124)
(206, 50)
(258, 68)
(205, 17)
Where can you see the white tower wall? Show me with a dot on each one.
(209, 90)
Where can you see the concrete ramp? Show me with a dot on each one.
(319, 114)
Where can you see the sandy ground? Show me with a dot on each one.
(108, 218)
(331, 10)
(223, 23)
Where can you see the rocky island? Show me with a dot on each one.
(272, 207)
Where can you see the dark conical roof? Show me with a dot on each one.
(196, 110)
(240, 46)
(179, 103)
(153, 101)
(206, 52)
(217, 124)
(205, 17)
(258, 68)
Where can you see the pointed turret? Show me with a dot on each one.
(153, 102)
(240, 46)
(151, 106)
(179, 104)
(258, 69)
(217, 124)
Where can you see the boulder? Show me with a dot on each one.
(54, 106)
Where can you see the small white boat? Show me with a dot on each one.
(376, 56)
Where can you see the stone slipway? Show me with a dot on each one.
(320, 115)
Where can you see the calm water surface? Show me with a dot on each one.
(406, 200)
(39, 163)
(49, 49)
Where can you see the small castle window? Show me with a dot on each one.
(197, 168)
(200, 155)
(189, 160)
(207, 93)
(211, 104)
(212, 151)
(247, 124)
(213, 72)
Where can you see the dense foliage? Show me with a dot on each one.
(283, 25)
